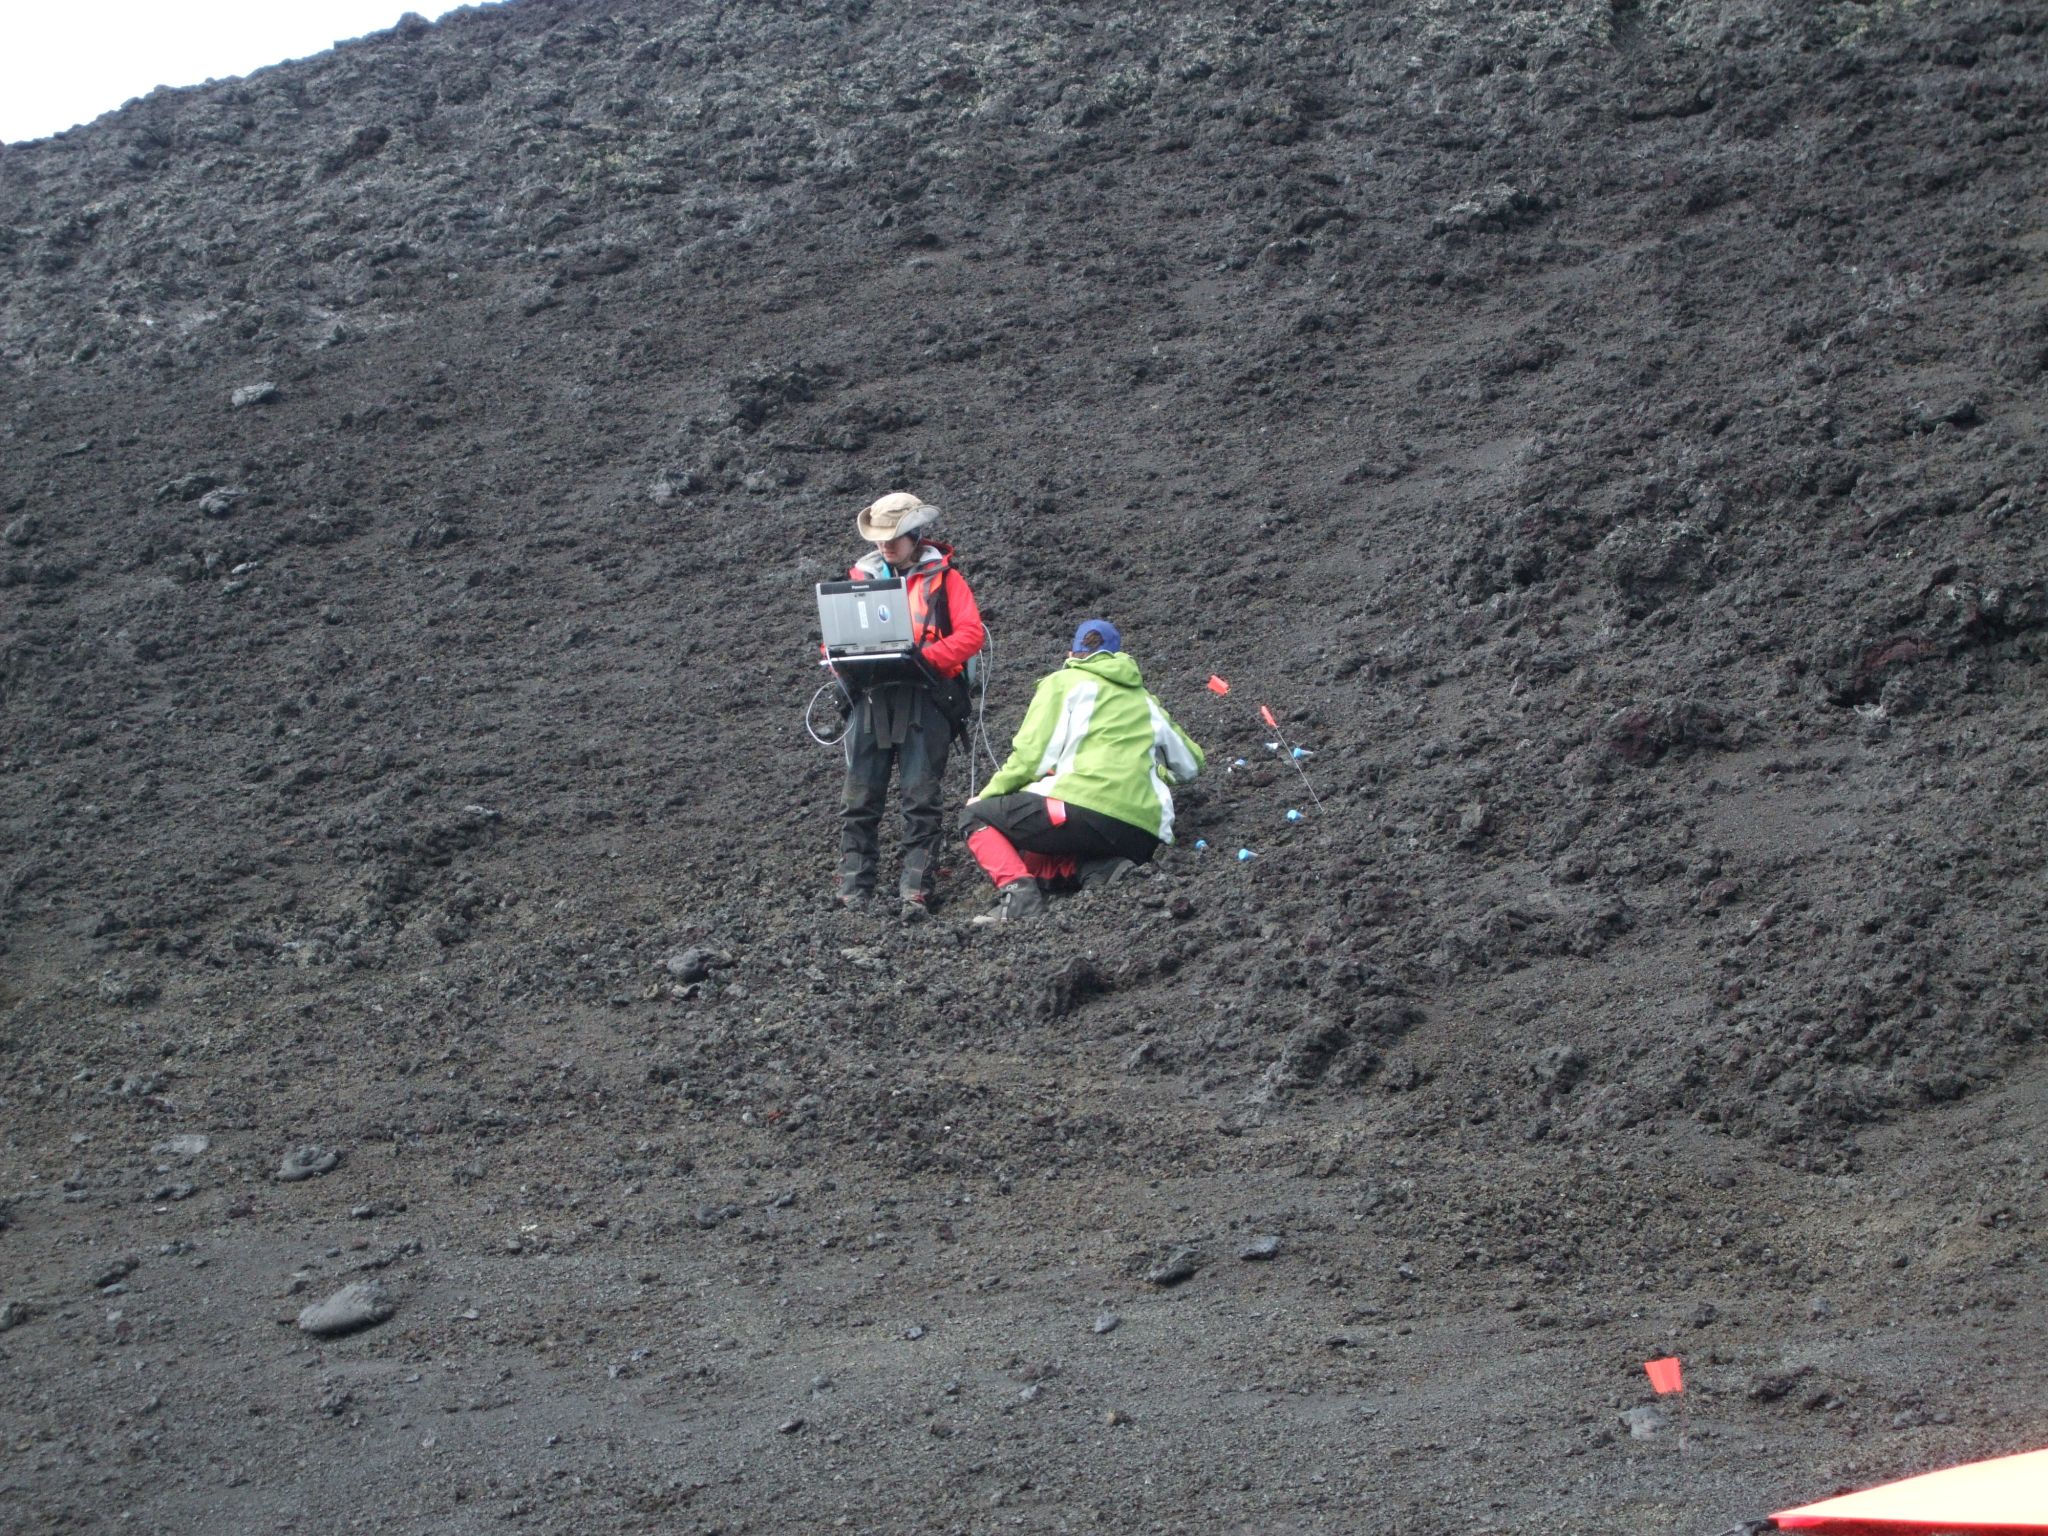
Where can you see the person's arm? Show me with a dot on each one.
(1027, 747)
(1178, 752)
(948, 654)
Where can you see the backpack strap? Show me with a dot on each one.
(940, 607)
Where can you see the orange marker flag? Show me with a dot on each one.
(1266, 715)
(2003, 1494)
(1665, 1375)
(1217, 685)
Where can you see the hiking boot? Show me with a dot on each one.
(1097, 873)
(1019, 899)
(852, 900)
(915, 907)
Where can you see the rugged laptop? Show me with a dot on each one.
(864, 620)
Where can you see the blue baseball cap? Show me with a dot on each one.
(1096, 635)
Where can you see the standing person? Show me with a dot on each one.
(905, 714)
(1085, 794)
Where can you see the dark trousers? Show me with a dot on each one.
(1026, 820)
(919, 760)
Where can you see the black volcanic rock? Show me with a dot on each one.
(1609, 437)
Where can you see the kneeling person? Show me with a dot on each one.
(1085, 793)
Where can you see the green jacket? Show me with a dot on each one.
(1095, 738)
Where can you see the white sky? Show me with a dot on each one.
(62, 64)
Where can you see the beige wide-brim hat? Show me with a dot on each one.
(895, 514)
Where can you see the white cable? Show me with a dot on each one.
(988, 667)
(811, 707)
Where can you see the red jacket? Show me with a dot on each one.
(933, 583)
